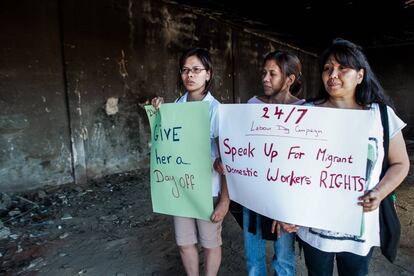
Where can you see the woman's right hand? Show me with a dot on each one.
(157, 101)
(282, 226)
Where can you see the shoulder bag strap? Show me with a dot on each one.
(386, 135)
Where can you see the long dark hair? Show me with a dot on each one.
(289, 64)
(205, 59)
(350, 55)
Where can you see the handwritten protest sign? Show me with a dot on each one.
(298, 164)
(181, 160)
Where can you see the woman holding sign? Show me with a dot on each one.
(196, 77)
(280, 78)
(349, 83)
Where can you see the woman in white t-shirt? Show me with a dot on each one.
(195, 78)
(349, 83)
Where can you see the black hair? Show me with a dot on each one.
(289, 64)
(204, 56)
(351, 55)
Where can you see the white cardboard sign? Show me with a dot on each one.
(298, 164)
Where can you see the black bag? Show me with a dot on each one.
(390, 227)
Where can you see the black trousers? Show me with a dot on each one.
(320, 263)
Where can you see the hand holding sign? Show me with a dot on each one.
(279, 226)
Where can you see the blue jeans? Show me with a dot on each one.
(255, 251)
(320, 263)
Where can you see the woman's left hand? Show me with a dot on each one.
(221, 210)
(370, 200)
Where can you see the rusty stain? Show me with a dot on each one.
(131, 25)
(122, 65)
(146, 6)
(176, 32)
(84, 133)
(77, 93)
(271, 47)
(74, 151)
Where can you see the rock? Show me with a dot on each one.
(5, 201)
(4, 231)
(36, 263)
(78, 189)
(66, 217)
(108, 218)
(82, 271)
(41, 194)
(15, 212)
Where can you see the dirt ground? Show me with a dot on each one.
(108, 228)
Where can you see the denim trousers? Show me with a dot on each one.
(255, 250)
(320, 263)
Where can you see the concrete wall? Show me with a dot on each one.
(60, 62)
(34, 129)
(394, 67)
(249, 50)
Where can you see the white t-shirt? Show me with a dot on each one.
(337, 242)
(214, 127)
(256, 100)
